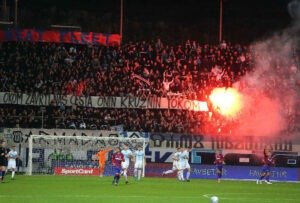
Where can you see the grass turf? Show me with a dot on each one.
(71, 189)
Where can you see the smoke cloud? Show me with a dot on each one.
(270, 101)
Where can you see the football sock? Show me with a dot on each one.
(139, 174)
(188, 175)
(135, 172)
(181, 175)
(125, 175)
(3, 174)
(117, 178)
(169, 171)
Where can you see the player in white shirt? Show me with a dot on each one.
(176, 167)
(181, 164)
(12, 156)
(125, 164)
(139, 162)
(187, 166)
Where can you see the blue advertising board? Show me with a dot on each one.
(229, 172)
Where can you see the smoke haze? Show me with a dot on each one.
(270, 101)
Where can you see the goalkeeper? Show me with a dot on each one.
(101, 155)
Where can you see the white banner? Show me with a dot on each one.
(102, 101)
(20, 136)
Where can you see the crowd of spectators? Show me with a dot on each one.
(142, 69)
(190, 70)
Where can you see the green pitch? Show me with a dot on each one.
(56, 189)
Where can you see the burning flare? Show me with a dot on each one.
(227, 101)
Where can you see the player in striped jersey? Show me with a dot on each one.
(268, 161)
(219, 161)
(117, 159)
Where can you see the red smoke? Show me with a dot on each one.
(260, 116)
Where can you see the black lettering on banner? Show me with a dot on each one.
(74, 141)
(43, 141)
(157, 139)
(59, 99)
(100, 143)
(198, 141)
(187, 104)
(173, 103)
(41, 132)
(41, 100)
(137, 102)
(256, 145)
(123, 100)
(283, 145)
(26, 137)
(113, 102)
(60, 141)
(239, 144)
(101, 102)
(169, 102)
(17, 137)
(157, 102)
(212, 142)
(27, 99)
(131, 102)
(33, 99)
(151, 102)
(64, 99)
(134, 135)
(179, 103)
(89, 101)
(170, 142)
(142, 103)
(248, 143)
(80, 101)
(228, 144)
(185, 141)
(107, 102)
(73, 100)
(12, 98)
(288, 145)
(84, 142)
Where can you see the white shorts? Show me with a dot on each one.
(125, 164)
(175, 166)
(138, 164)
(181, 165)
(11, 164)
(187, 165)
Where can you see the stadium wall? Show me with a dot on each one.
(242, 155)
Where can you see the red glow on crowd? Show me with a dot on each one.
(227, 101)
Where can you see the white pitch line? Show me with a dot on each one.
(240, 198)
(94, 196)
